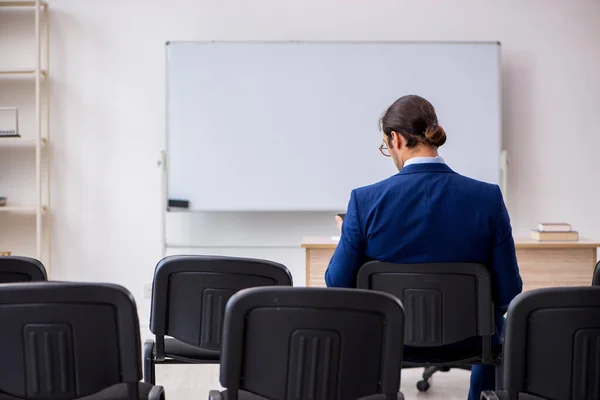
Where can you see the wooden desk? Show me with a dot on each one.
(542, 264)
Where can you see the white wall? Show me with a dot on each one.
(108, 102)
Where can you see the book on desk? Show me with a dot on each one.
(562, 232)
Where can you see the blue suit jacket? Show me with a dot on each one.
(428, 213)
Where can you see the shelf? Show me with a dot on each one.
(17, 3)
(19, 141)
(20, 73)
(22, 209)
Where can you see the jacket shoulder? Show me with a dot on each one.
(376, 187)
(472, 185)
(490, 189)
(371, 193)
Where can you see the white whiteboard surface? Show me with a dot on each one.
(293, 126)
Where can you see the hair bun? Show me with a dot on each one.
(435, 135)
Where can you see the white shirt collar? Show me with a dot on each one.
(424, 160)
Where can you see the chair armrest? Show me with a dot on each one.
(215, 395)
(156, 393)
(149, 349)
(148, 358)
(491, 395)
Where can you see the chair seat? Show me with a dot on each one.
(381, 396)
(180, 351)
(4, 396)
(119, 392)
(115, 392)
(445, 355)
(243, 395)
(503, 395)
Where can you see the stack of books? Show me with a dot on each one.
(554, 232)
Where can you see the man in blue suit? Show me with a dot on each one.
(427, 213)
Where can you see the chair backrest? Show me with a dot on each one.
(552, 344)
(21, 269)
(189, 294)
(312, 343)
(444, 303)
(596, 279)
(67, 340)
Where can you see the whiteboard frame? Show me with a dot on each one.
(164, 154)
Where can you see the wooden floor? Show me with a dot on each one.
(192, 382)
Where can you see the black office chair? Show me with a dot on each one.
(445, 303)
(21, 269)
(70, 341)
(552, 346)
(311, 343)
(596, 278)
(189, 294)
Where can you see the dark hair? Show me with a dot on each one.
(414, 118)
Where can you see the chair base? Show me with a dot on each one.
(423, 385)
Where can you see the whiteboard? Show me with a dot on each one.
(293, 126)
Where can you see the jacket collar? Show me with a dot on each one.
(426, 167)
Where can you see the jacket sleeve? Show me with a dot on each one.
(349, 254)
(504, 259)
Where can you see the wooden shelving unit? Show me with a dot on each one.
(38, 139)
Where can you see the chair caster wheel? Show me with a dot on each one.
(422, 386)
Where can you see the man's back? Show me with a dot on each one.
(428, 213)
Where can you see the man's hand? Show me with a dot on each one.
(339, 221)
